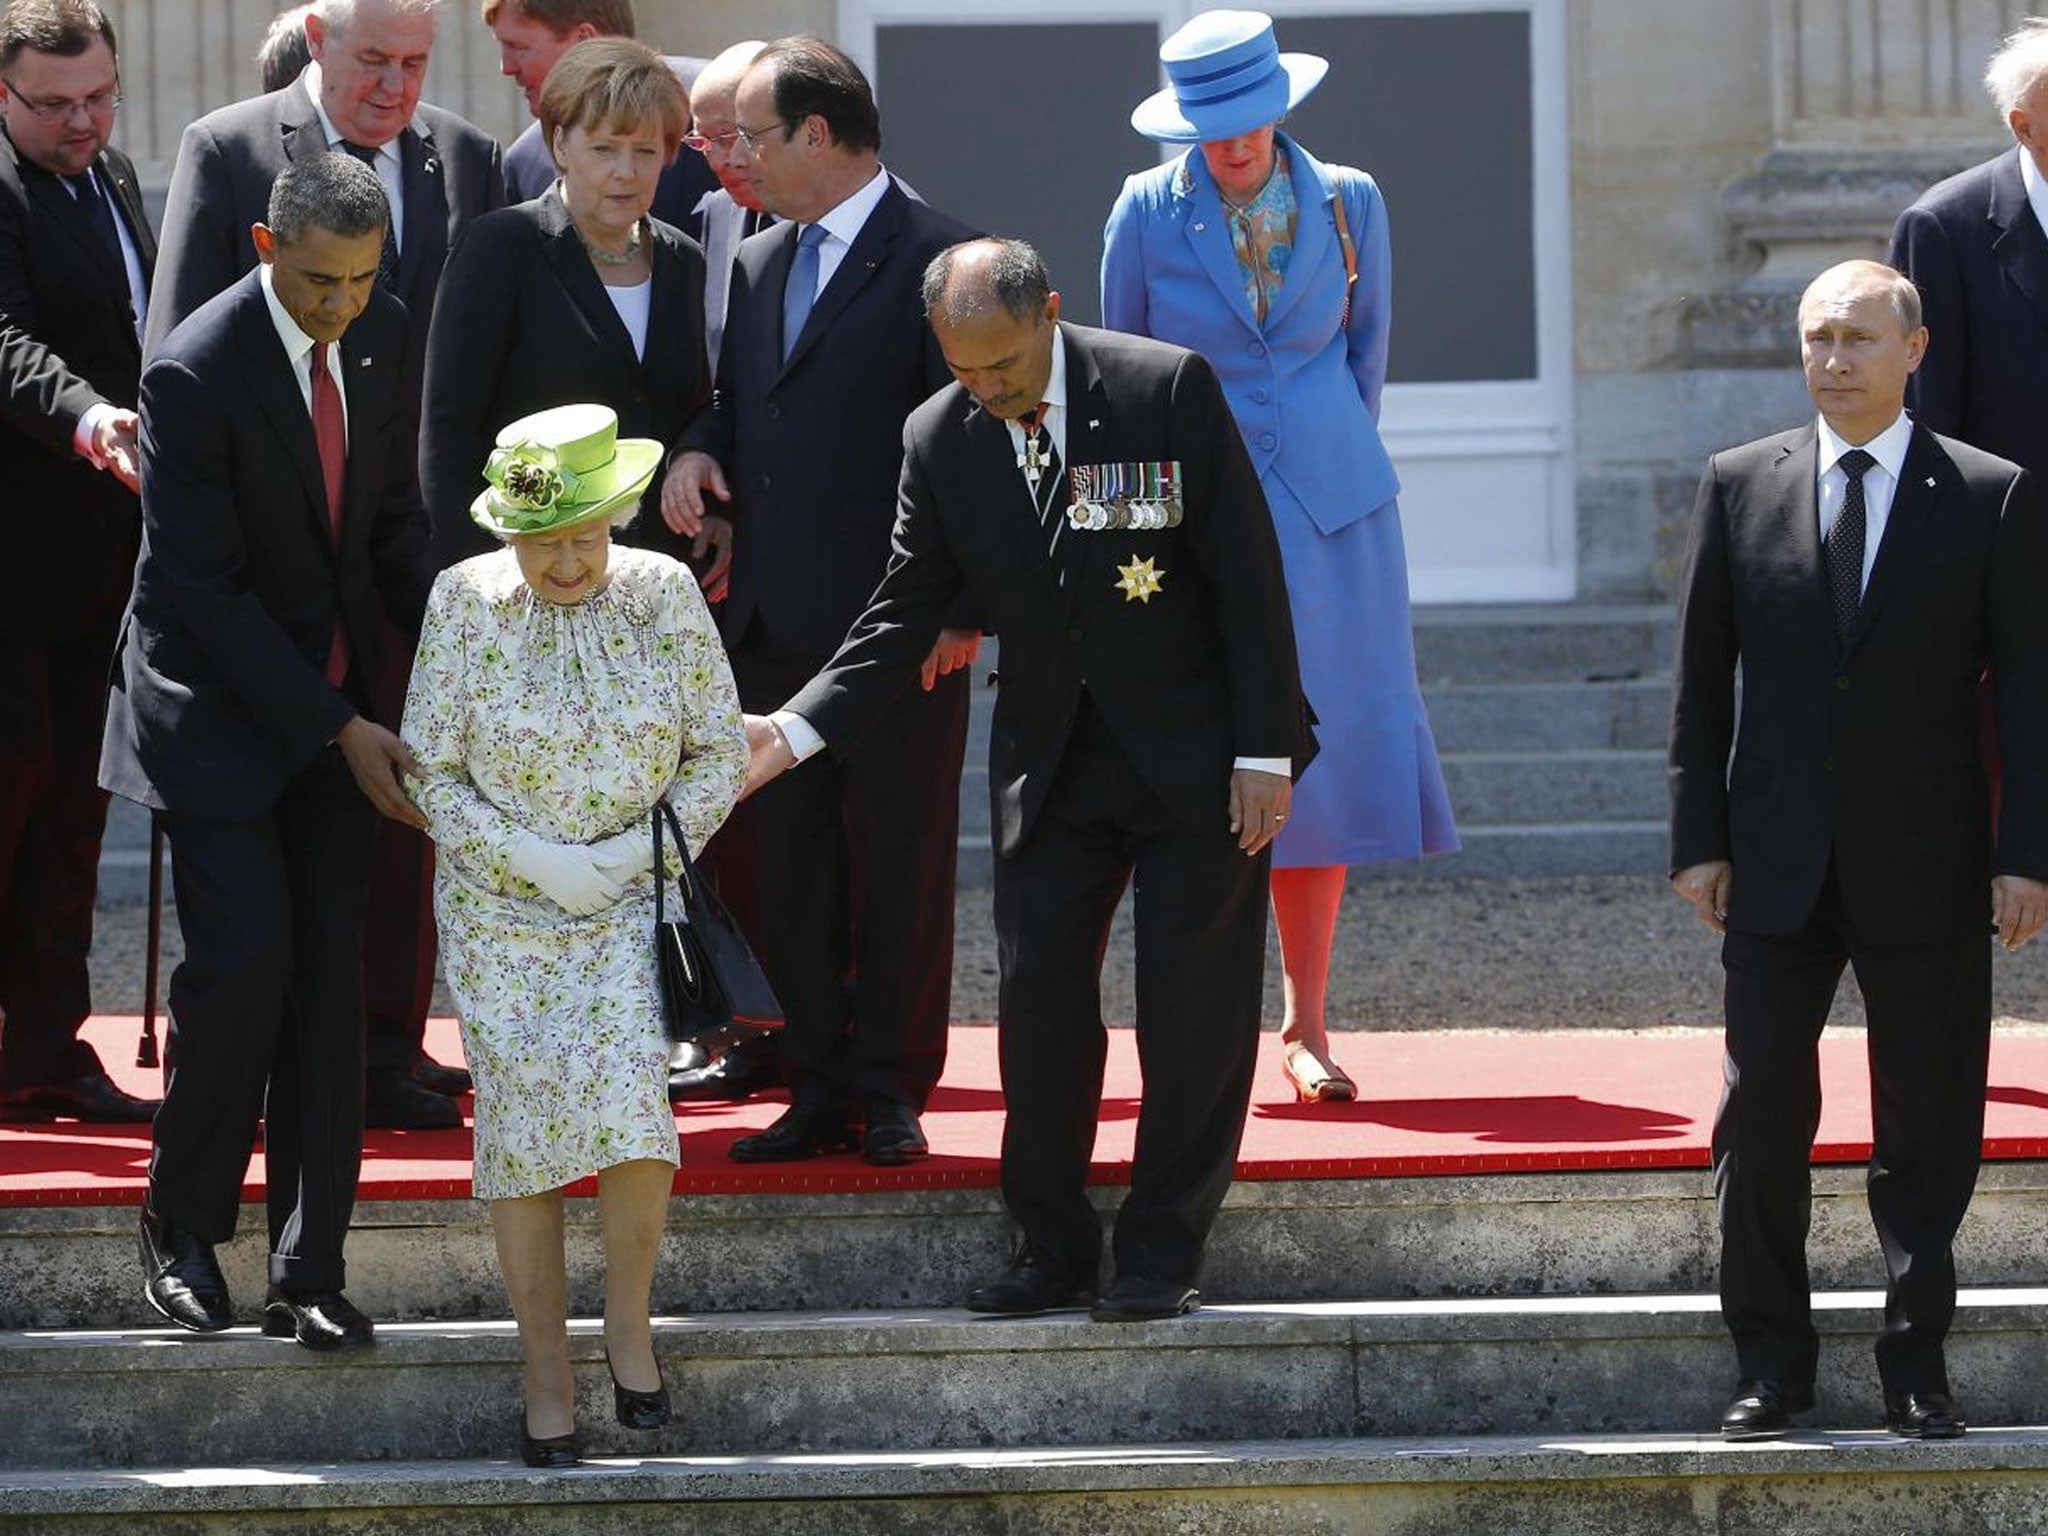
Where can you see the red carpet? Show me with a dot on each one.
(1443, 1103)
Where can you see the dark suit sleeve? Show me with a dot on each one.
(1921, 249)
(1231, 531)
(2019, 670)
(197, 256)
(401, 545)
(889, 642)
(40, 396)
(710, 429)
(1703, 688)
(194, 536)
(468, 345)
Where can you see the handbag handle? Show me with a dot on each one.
(693, 886)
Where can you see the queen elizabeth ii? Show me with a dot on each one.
(564, 684)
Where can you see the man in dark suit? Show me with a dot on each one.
(75, 258)
(360, 96)
(531, 36)
(1862, 572)
(1976, 246)
(1149, 722)
(844, 875)
(280, 520)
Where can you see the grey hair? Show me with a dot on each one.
(335, 192)
(335, 15)
(2018, 65)
(1012, 279)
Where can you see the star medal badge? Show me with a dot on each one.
(1139, 580)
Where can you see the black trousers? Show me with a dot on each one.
(266, 1021)
(1200, 910)
(1929, 1011)
(53, 695)
(841, 874)
(399, 938)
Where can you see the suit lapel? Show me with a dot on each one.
(2021, 249)
(869, 249)
(278, 395)
(765, 298)
(666, 345)
(298, 124)
(1088, 432)
(1315, 229)
(56, 200)
(1206, 228)
(366, 384)
(128, 197)
(1795, 475)
(579, 279)
(426, 209)
(1923, 478)
(993, 455)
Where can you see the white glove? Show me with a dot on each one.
(567, 874)
(626, 856)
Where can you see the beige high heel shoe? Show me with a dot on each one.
(1316, 1079)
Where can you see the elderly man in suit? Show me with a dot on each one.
(360, 97)
(731, 211)
(1976, 246)
(1862, 572)
(825, 353)
(1149, 724)
(75, 258)
(531, 36)
(279, 520)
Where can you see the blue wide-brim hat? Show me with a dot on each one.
(1228, 77)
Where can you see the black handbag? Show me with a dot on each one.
(713, 991)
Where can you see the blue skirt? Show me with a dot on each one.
(1375, 791)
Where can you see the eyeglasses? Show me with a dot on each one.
(705, 143)
(753, 137)
(98, 104)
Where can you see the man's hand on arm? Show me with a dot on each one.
(954, 649)
(1707, 887)
(2019, 907)
(769, 754)
(376, 758)
(682, 491)
(1258, 805)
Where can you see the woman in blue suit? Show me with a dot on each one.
(1277, 268)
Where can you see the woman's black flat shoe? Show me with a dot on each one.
(553, 1453)
(638, 1410)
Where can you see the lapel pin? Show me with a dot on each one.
(363, 362)
(1930, 480)
(1093, 424)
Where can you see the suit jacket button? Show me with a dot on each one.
(1258, 349)
(763, 482)
(1841, 685)
(775, 413)
(1266, 440)
(1074, 635)
(1261, 396)
(1827, 765)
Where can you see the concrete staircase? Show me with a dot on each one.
(1550, 721)
(1515, 1354)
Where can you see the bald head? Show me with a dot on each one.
(713, 118)
(718, 80)
(979, 276)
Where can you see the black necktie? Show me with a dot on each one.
(387, 259)
(753, 221)
(1042, 455)
(1844, 553)
(96, 211)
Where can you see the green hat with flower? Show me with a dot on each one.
(560, 467)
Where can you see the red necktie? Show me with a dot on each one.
(330, 432)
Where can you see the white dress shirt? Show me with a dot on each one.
(804, 742)
(843, 224)
(389, 164)
(2037, 188)
(298, 347)
(1880, 481)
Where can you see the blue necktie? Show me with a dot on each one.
(802, 288)
(96, 211)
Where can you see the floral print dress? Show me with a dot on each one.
(567, 722)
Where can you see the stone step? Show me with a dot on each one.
(1519, 1234)
(1573, 642)
(1525, 788)
(1855, 1483)
(810, 1382)
(1560, 717)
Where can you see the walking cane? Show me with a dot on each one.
(145, 1048)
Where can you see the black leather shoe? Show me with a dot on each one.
(393, 1101)
(1026, 1289)
(1134, 1299)
(182, 1279)
(893, 1136)
(435, 1078)
(1763, 1409)
(740, 1073)
(551, 1454)
(804, 1130)
(1923, 1416)
(92, 1097)
(638, 1410)
(319, 1320)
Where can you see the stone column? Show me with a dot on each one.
(1872, 101)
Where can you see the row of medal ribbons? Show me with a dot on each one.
(1141, 495)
